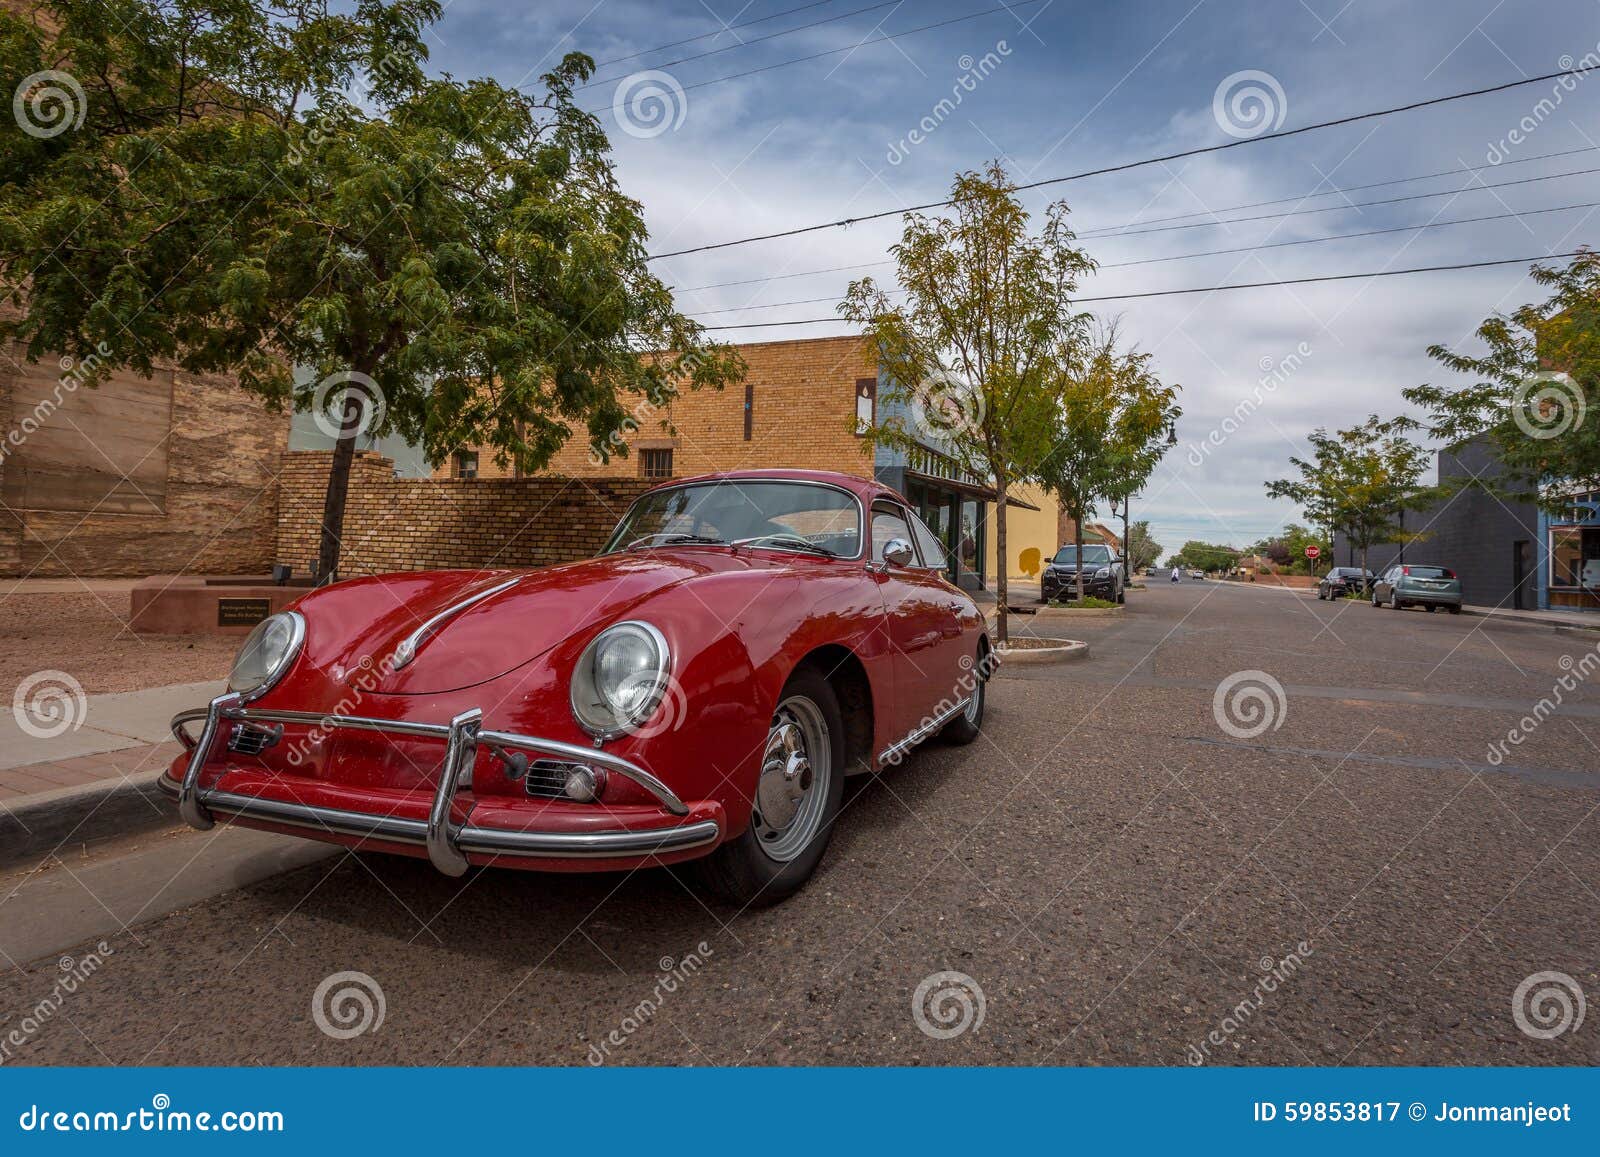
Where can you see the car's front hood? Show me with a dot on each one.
(472, 642)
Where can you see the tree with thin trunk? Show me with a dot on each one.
(1109, 427)
(257, 187)
(967, 352)
(1360, 481)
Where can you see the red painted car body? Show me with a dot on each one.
(738, 621)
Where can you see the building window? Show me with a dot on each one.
(465, 464)
(749, 409)
(655, 464)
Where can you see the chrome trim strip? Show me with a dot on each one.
(625, 768)
(412, 643)
(482, 841)
(182, 720)
(460, 750)
(897, 749)
(190, 807)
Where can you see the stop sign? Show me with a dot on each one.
(1313, 551)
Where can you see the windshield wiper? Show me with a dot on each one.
(669, 537)
(791, 540)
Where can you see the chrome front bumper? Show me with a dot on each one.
(447, 843)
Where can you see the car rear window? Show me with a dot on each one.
(1436, 572)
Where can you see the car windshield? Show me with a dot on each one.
(1092, 553)
(1437, 572)
(794, 516)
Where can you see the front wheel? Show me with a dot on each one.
(964, 728)
(798, 790)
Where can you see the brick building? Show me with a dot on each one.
(175, 472)
(800, 406)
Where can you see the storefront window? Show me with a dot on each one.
(970, 548)
(1566, 556)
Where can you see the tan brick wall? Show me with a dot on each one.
(803, 418)
(219, 509)
(394, 524)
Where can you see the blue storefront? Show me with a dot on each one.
(1569, 569)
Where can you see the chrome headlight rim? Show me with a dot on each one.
(280, 667)
(585, 684)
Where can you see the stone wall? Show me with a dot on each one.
(394, 524)
(80, 497)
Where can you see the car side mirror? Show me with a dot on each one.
(897, 552)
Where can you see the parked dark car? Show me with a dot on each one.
(1102, 574)
(1341, 580)
(1411, 585)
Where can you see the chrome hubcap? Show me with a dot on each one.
(792, 792)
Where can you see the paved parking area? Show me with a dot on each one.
(1117, 877)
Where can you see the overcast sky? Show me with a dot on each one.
(1055, 87)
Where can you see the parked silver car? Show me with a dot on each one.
(1411, 585)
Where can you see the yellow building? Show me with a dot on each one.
(1031, 533)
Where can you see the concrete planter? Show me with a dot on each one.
(1026, 652)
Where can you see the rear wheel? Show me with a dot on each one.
(798, 789)
(1431, 608)
(1394, 600)
(1455, 610)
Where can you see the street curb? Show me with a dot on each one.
(37, 825)
(1534, 624)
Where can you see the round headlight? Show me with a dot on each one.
(619, 679)
(267, 653)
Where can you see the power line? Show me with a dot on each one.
(1127, 165)
(1102, 230)
(884, 39)
(1225, 288)
(1112, 232)
(1223, 252)
(1356, 204)
(755, 39)
(709, 35)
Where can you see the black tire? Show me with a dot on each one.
(964, 728)
(741, 871)
(1431, 608)
(1321, 594)
(1122, 595)
(1394, 601)
(1455, 610)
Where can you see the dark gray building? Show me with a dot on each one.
(1492, 543)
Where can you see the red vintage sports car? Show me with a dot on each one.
(697, 691)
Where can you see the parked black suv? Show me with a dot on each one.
(1340, 581)
(1102, 574)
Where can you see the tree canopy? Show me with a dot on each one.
(1537, 397)
(258, 185)
(1360, 481)
(988, 301)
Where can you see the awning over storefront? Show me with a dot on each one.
(970, 489)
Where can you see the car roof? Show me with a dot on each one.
(864, 488)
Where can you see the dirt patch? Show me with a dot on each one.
(84, 635)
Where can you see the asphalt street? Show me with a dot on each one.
(1344, 874)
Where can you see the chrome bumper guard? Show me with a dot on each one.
(447, 843)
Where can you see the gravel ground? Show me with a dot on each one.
(85, 636)
(1109, 867)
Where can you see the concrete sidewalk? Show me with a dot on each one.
(97, 779)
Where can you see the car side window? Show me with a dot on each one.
(888, 523)
(928, 545)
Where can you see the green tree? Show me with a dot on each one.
(1108, 426)
(1360, 481)
(259, 185)
(1143, 550)
(1538, 395)
(1205, 556)
(986, 301)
